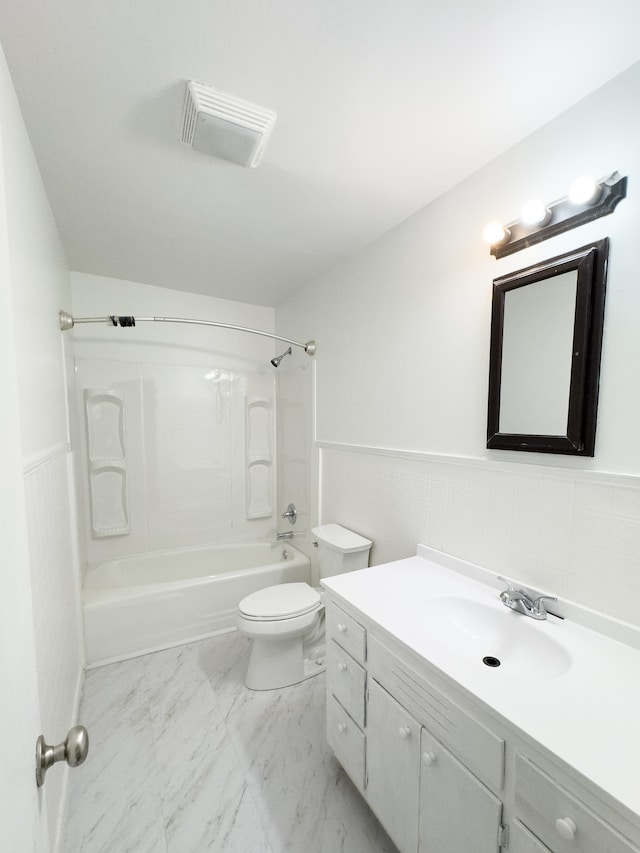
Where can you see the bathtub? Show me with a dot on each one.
(140, 604)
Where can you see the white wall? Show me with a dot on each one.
(101, 296)
(402, 376)
(198, 406)
(38, 282)
(21, 823)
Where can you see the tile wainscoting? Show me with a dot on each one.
(572, 532)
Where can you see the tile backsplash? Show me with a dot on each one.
(572, 533)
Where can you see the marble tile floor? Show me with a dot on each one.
(184, 759)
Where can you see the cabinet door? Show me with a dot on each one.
(347, 741)
(522, 841)
(393, 767)
(457, 812)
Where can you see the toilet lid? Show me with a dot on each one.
(281, 601)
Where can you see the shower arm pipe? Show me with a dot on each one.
(67, 321)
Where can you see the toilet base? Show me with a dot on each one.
(314, 662)
(274, 664)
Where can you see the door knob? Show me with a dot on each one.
(73, 750)
(404, 732)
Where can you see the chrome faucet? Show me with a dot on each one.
(291, 514)
(521, 602)
(287, 535)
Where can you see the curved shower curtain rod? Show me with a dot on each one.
(68, 322)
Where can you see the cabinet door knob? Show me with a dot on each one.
(404, 732)
(429, 758)
(342, 628)
(342, 667)
(342, 727)
(566, 828)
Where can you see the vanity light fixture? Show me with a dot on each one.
(535, 212)
(585, 190)
(587, 200)
(496, 234)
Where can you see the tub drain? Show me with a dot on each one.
(489, 660)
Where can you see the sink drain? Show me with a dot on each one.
(489, 660)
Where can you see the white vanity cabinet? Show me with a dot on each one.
(393, 767)
(426, 799)
(558, 818)
(457, 812)
(442, 772)
(346, 685)
(409, 778)
(420, 748)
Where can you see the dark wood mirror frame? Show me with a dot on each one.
(590, 263)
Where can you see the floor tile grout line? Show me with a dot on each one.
(247, 784)
(161, 792)
(228, 736)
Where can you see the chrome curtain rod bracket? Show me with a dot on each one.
(67, 321)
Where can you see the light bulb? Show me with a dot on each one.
(535, 212)
(495, 234)
(584, 190)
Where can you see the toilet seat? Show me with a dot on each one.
(280, 602)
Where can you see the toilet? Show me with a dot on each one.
(286, 621)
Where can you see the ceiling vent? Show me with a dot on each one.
(224, 126)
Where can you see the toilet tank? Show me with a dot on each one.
(340, 550)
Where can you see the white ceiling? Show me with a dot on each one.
(381, 107)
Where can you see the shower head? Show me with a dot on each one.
(276, 361)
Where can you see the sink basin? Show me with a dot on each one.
(490, 634)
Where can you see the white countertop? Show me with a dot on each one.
(588, 715)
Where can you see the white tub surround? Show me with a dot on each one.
(139, 604)
(552, 728)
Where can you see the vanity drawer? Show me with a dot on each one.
(346, 631)
(481, 750)
(346, 681)
(558, 819)
(346, 740)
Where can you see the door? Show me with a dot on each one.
(21, 826)
(393, 767)
(457, 812)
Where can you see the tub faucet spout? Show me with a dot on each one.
(287, 535)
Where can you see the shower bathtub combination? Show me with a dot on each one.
(136, 604)
(140, 604)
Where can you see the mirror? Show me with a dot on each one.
(546, 340)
